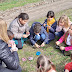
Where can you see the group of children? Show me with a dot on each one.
(19, 31)
(45, 32)
(62, 29)
(50, 28)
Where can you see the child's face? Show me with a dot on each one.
(70, 30)
(11, 37)
(23, 21)
(50, 18)
(61, 23)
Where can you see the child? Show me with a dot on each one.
(50, 25)
(45, 65)
(68, 67)
(63, 25)
(20, 28)
(11, 36)
(37, 32)
(67, 37)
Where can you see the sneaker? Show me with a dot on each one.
(57, 47)
(33, 46)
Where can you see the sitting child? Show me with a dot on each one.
(11, 36)
(50, 25)
(45, 65)
(67, 37)
(37, 32)
(68, 67)
(63, 25)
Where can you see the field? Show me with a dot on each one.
(49, 50)
(8, 4)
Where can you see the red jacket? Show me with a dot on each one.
(68, 66)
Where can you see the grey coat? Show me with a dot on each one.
(17, 28)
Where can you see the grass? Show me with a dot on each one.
(49, 50)
(8, 4)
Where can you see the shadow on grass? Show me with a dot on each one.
(61, 65)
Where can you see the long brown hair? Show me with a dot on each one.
(44, 64)
(66, 35)
(64, 19)
(3, 31)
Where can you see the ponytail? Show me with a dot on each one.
(24, 16)
(40, 69)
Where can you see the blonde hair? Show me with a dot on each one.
(64, 19)
(44, 64)
(3, 31)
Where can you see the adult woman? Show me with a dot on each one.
(10, 59)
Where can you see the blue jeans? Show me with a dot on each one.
(59, 34)
(39, 37)
(48, 42)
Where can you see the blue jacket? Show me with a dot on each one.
(52, 30)
(32, 34)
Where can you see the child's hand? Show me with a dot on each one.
(49, 27)
(43, 44)
(44, 24)
(27, 32)
(38, 46)
(57, 42)
(25, 35)
(62, 48)
(14, 48)
(10, 43)
(13, 45)
(66, 70)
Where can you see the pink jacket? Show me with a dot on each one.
(63, 39)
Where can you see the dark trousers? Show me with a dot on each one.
(19, 43)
